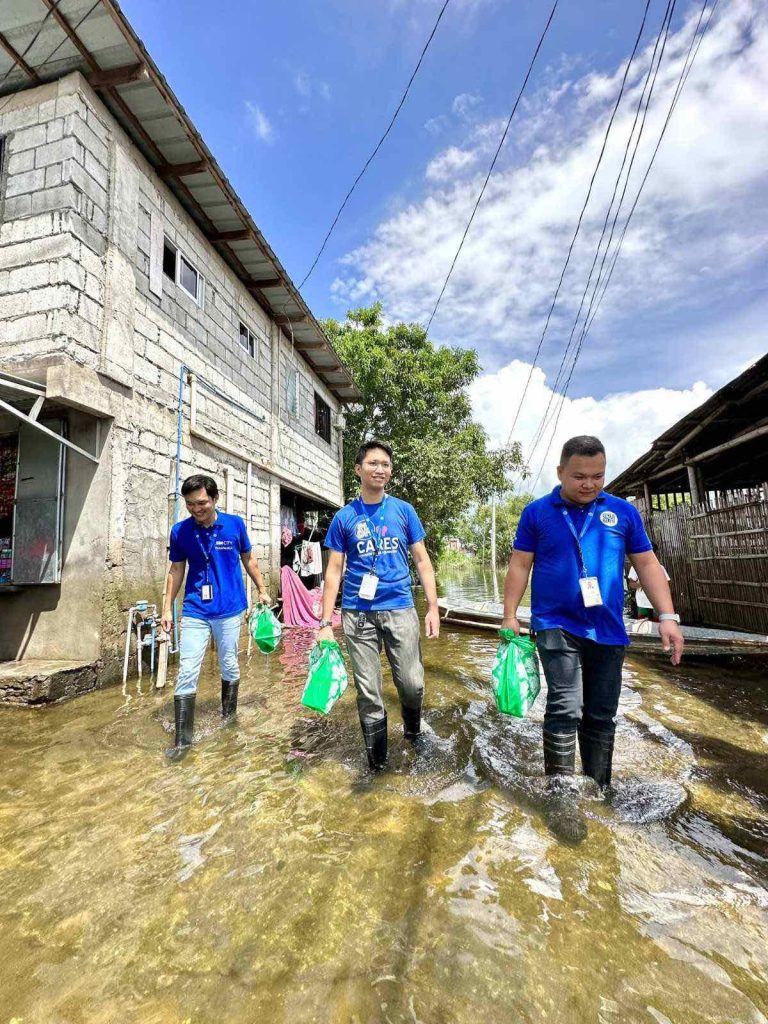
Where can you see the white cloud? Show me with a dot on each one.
(450, 163)
(464, 104)
(626, 422)
(259, 122)
(700, 229)
(308, 87)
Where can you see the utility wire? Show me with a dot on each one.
(642, 105)
(581, 217)
(688, 64)
(493, 163)
(35, 37)
(377, 147)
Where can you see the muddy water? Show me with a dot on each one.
(269, 878)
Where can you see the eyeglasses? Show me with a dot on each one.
(378, 465)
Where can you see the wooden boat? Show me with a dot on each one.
(700, 641)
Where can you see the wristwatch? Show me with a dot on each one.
(324, 623)
(669, 617)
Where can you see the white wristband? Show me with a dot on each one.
(669, 617)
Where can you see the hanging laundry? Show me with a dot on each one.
(311, 559)
(288, 520)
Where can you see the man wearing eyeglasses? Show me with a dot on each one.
(375, 534)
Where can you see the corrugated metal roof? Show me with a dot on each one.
(737, 410)
(42, 40)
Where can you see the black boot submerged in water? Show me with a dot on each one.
(411, 722)
(596, 749)
(561, 809)
(375, 736)
(184, 716)
(229, 698)
(559, 753)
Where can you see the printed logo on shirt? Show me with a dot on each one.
(608, 518)
(362, 531)
(388, 546)
(224, 545)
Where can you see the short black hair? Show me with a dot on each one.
(584, 444)
(198, 480)
(368, 446)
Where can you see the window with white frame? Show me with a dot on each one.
(249, 341)
(178, 268)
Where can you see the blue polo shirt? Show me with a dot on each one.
(357, 530)
(615, 530)
(224, 542)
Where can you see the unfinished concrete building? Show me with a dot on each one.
(147, 330)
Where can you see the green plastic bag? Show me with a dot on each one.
(515, 675)
(327, 677)
(265, 628)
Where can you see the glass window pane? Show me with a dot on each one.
(244, 336)
(188, 277)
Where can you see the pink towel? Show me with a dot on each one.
(299, 604)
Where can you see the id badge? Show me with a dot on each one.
(590, 591)
(206, 592)
(368, 586)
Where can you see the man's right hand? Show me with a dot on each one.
(166, 622)
(326, 633)
(511, 622)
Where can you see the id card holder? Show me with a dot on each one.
(206, 592)
(590, 591)
(368, 586)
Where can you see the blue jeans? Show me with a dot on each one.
(195, 634)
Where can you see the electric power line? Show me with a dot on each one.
(642, 105)
(581, 217)
(688, 64)
(493, 163)
(35, 37)
(377, 147)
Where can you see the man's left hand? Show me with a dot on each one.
(432, 623)
(672, 639)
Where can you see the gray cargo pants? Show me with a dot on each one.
(399, 632)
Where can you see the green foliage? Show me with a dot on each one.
(415, 398)
(474, 527)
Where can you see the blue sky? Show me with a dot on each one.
(291, 97)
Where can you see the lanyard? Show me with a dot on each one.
(378, 542)
(578, 537)
(207, 551)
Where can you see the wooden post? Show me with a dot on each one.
(648, 498)
(693, 484)
(163, 644)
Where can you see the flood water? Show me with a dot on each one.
(269, 878)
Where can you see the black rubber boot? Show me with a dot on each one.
(559, 753)
(596, 749)
(561, 807)
(229, 698)
(411, 722)
(184, 716)
(375, 735)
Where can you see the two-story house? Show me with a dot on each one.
(147, 331)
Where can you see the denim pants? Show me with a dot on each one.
(195, 635)
(399, 632)
(583, 682)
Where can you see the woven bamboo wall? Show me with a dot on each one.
(717, 557)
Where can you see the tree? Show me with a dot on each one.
(415, 398)
(475, 525)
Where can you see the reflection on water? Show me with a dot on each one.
(269, 877)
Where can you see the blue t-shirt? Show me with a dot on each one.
(224, 542)
(615, 530)
(395, 527)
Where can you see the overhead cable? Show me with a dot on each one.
(581, 217)
(377, 147)
(632, 143)
(693, 50)
(35, 37)
(493, 162)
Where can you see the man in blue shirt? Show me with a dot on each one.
(576, 539)
(214, 545)
(375, 533)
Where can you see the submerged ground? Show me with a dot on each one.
(269, 878)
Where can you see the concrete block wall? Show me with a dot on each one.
(78, 208)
